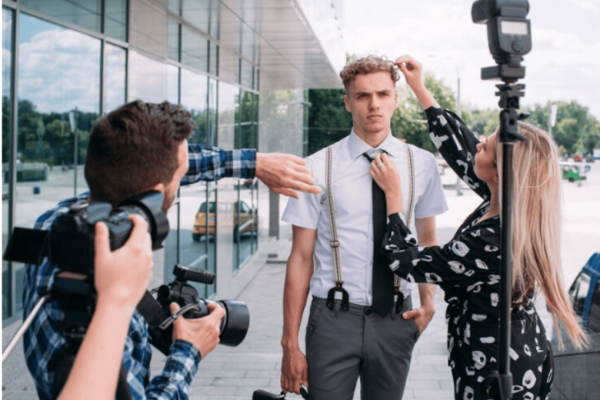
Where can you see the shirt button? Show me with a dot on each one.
(371, 292)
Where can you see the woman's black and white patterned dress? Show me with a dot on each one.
(468, 270)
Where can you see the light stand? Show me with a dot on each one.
(509, 39)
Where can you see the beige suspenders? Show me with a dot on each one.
(338, 276)
(408, 216)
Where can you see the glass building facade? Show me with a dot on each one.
(240, 69)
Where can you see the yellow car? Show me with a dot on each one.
(242, 225)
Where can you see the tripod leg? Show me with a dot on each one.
(13, 342)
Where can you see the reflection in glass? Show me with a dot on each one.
(194, 97)
(245, 221)
(194, 49)
(173, 84)
(147, 78)
(7, 51)
(59, 102)
(214, 24)
(175, 7)
(114, 78)
(212, 111)
(213, 68)
(196, 13)
(247, 75)
(198, 230)
(173, 39)
(85, 13)
(116, 19)
(246, 208)
(171, 243)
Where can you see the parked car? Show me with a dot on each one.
(242, 225)
(574, 172)
(576, 371)
(585, 294)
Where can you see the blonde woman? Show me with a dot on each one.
(468, 267)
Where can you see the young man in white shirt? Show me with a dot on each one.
(341, 345)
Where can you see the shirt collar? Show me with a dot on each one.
(357, 147)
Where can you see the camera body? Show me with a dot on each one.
(70, 242)
(234, 324)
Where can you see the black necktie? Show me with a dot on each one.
(383, 277)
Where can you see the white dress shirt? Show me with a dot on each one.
(351, 187)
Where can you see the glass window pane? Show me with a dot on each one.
(247, 75)
(198, 230)
(194, 49)
(173, 84)
(85, 13)
(175, 7)
(214, 59)
(147, 78)
(59, 102)
(173, 39)
(114, 77)
(196, 13)
(194, 97)
(171, 243)
(7, 50)
(212, 111)
(214, 23)
(116, 19)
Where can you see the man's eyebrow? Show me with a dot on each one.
(385, 91)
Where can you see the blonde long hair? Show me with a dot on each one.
(536, 228)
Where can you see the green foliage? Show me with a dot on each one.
(328, 120)
(575, 128)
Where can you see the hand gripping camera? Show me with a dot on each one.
(234, 324)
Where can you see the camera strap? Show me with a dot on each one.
(338, 276)
(150, 310)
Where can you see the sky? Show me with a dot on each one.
(564, 63)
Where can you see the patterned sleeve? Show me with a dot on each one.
(469, 258)
(180, 368)
(209, 163)
(457, 144)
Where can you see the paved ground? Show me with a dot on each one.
(234, 373)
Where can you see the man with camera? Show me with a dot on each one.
(136, 148)
(359, 325)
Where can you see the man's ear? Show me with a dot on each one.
(395, 98)
(347, 103)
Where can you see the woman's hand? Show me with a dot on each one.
(413, 72)
(383, 170)
(411, 69)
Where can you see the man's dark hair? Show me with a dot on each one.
(134, 148)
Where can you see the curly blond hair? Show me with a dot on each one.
(367, 65)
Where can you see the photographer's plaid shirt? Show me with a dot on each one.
(43, 339)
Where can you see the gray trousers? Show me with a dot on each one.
(344, 346)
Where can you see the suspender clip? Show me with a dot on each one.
(331, 297)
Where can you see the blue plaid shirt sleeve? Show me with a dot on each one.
(43, 340)
(209, 163)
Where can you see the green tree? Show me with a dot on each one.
(408, 121)
(328, 120)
